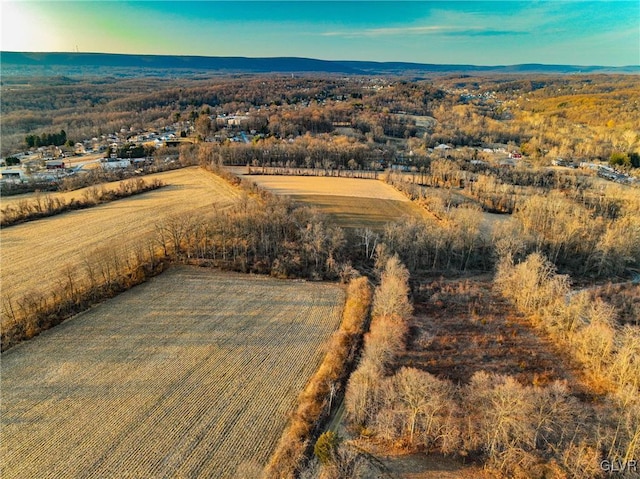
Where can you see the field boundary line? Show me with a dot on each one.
(36, 209)
(323, 392)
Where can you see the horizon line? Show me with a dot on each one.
(322, 59)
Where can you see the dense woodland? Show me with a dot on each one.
(580, 117)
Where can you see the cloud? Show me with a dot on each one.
(446, 30)
(379, 32)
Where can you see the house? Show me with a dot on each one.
(13, 175)
(54, 164)
(114, 163)
(236, 120)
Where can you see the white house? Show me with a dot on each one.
(13, 175)
(114, 163)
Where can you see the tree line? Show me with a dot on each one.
(46, 139)
(266, 235)
(584, 232)
(516, 430)
(305, 152)
(103, 274)
(43, 206)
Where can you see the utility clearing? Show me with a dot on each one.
(192, 374)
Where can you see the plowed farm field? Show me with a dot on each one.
(350, 202)
(191, 374)
(35, 254)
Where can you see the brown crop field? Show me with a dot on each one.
(350, 202)
(358, 212)
(333, 186)
(188, 375)
(35, 254)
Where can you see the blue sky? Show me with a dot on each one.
(458, 32)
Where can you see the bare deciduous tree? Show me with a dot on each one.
(391, 297)
(422, 404)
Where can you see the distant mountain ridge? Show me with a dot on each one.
(58, 61)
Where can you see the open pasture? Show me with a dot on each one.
(350, 202)
(35, 255)
(188, 375)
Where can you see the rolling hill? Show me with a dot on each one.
(66, 63)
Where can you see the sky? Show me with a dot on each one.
(504, 32)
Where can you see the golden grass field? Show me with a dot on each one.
(64, 196)
(351, 202)
(188, 375)
(327, 186)
(358, 212)
(35, 254)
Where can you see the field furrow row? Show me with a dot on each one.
(188, 375)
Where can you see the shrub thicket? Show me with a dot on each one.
(519, 430)
(43, 206)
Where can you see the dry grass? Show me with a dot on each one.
(625, 297)
(400, 464)
(350, 202)
(35, 254)
(188, 375)
(463, 326)
(354, 212)
(316, 185)
(66, 196)
(491, 221)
